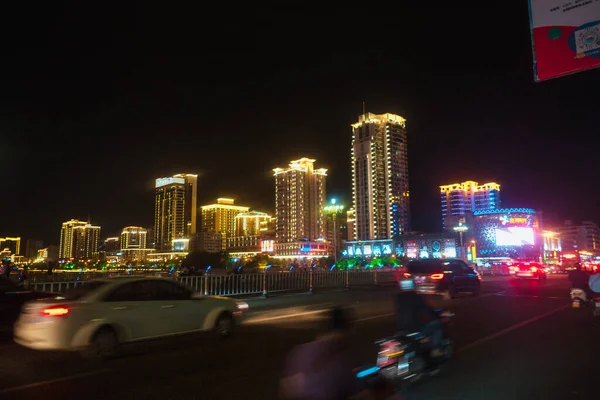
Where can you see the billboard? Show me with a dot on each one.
(450, 248)
(565, 36)
(514, 236)
(412, 249)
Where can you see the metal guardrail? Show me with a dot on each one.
(256, 284)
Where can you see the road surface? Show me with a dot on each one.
(518, 340)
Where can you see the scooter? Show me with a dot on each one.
(578, 298)
(406, 358)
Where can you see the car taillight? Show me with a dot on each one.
(406, 275)
(57, 311)
(534, 269)
(437, 276)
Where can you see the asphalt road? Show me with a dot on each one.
(515, 341)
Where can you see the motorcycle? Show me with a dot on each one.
(407, 357)
(578, 298)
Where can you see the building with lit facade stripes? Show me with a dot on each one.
(78, 240)
(299, 200)
(175, 209)
(381, 197)
(459, 199)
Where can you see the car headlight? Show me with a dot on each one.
(242, 305)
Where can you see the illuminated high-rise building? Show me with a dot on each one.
(13, 244)
(175, 209)
(458, 199)
(251, 223)
(133, 243)
(299, 201)
(133, 237)
(381, 199)
(79, 240)
(220, 218)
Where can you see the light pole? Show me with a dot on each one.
(461, 229)
(333, 209)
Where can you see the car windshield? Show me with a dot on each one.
(82, 290)
(425, 267)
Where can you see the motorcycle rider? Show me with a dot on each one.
(413, 314)
(579, 280)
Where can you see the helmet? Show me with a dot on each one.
(407, 284)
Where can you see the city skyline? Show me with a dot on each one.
(478, 117)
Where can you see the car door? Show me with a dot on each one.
(472, 278)
(459, 275)
(176, 310)
(129, 306)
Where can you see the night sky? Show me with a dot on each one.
(97, 102)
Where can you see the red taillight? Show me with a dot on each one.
(57, 311)
(437, 276)
(406, 275)
(533, 269)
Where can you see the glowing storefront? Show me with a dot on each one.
(506, 233)
(409, 246)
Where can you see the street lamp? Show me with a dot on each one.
(461, 229)
(334, 209)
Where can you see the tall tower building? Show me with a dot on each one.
(380, 176)
(78, 240)
(458, 199)
(175, 209)
(299, 201)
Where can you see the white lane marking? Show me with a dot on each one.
(510, 329)
(286, 316)
(373, 317)
(272, 310)
(51, 381)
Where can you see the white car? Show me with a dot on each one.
(101, 314)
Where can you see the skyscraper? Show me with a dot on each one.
(174, 209)
(220, 218)
(79, 240)
(460, 198)
(299, 201)
(381, 199)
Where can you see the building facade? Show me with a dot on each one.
(175, 209)
(580, 237)
(79, 240)
(381, 197)
(134, 243)
(458, 199)
(300, 191)
(220, 218)
(32, 247)
(251, 223)
(13, 244)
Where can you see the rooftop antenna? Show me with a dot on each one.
(364, 108)
(89, 221)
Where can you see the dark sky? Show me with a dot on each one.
(97, 102)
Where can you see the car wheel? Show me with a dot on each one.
(103, 345)
(477, 289)
(224, 325)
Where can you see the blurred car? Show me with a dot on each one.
(529, 270)
(444, 277)
(100, 315)
(12, 298)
